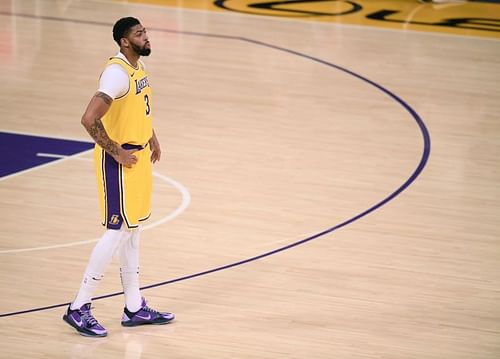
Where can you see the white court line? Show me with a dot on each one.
(186, 200)
(61, 158)
(51, 155)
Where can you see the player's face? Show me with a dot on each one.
(139, 40)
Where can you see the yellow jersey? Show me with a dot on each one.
(129, 119)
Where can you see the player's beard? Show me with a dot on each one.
(142, 51)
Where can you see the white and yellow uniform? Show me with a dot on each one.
(125, 193)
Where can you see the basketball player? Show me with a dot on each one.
(119, 119)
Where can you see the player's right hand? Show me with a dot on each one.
(126, 157)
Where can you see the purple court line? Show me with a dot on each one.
(420, 167)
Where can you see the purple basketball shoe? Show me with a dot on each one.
(145, 315)
(83, 321)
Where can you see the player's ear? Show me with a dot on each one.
(124, 42)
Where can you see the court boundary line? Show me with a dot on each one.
(415, 174)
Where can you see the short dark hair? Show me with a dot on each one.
(122, 28)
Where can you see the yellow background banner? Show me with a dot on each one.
(467, 18)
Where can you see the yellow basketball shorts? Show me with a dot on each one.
(124, 193)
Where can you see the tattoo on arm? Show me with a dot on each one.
(104, 97)
(98, 133)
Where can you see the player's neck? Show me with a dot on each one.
(131, 56)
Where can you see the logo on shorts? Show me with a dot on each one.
(115, 219)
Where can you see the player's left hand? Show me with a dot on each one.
(155, 149)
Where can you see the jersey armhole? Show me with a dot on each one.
(124, 72)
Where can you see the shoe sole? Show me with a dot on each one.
(80, 331)
(136, 324)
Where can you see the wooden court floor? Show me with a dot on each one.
(325, 191)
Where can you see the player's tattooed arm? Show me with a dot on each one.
(91, 120)
(98, 133)
(107, 99)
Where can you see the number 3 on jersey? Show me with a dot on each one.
(146, 101)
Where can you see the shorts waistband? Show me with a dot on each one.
(129, 146)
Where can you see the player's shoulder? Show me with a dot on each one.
(119, 61)
(115, 69)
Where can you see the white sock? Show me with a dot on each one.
(129, 271)
(99, 260)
